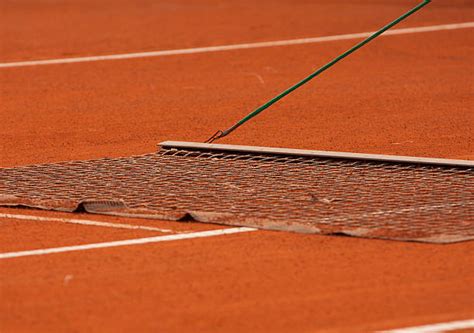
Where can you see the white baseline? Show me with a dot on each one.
(206, 49)
(127, 242)
(434, 328)
(82, 222)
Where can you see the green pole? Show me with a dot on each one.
(220, 134)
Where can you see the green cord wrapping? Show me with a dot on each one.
(220, 134)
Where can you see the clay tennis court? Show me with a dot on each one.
(407, 93)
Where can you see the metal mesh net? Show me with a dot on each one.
(402, 201)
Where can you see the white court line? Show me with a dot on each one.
(83, 222)
(434, 328)
(206, 49)
(126, 242)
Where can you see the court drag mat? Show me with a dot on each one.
(372, 196)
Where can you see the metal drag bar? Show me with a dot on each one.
(315, 153)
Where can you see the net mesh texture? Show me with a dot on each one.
(388, 200)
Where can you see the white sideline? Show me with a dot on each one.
(126, 242)
(83, 222)
(206, 49)
(434, 328)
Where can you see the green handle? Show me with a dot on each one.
(221, 134)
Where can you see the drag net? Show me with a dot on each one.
(402, 201)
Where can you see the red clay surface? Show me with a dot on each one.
(20, 235)
(406, 94)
